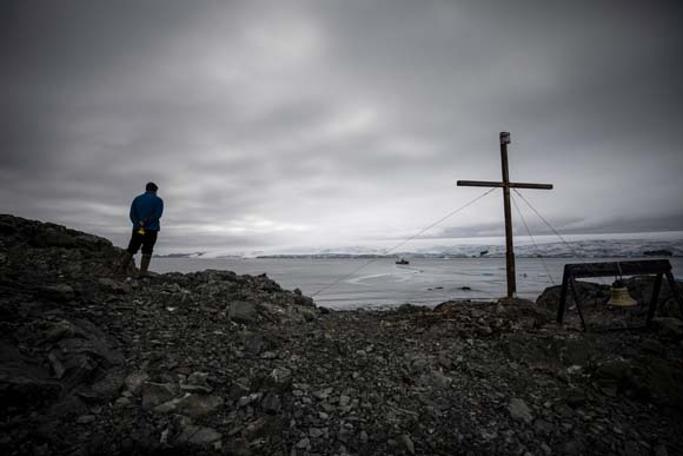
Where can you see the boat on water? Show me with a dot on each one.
(402, 261)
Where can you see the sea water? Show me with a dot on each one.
(348, 283)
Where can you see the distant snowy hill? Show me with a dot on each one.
(602, 247)
(574, 246)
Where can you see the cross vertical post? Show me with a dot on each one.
(506, 185)
(509, 247)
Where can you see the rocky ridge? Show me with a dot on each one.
(219, 363)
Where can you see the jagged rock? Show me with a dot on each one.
(256, 429)
(407, 443)
(198, 435)
(306, 313)
(196, 382)
(590, 294)
(303, 444)
(435, 378)
(113, 286)
(344, 400)
(595, 296)
(660, 380)
(198, 378)
(154, 394)
(135, 380)
(271, 403)
(58, 292)
(669, 327)
(168, 406)
(122, 402)
(323, 393)
(575, 397)
(268, 355)
(249, 399)
(197, 405)
(641, 287)
(242, 312)
(614, 370)
(55, 331)
(23, 379)
(543, 427)
(519, 410)
(281, 376)
(86, 419)
(316, 433)
(573, 447)
(660, 450)
(238, 390)
(109, 385)
(254, 344)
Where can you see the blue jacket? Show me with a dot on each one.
(147, 208)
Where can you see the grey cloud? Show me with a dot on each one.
(348, 116)
(621, 224)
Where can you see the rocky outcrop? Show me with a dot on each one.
(218, 363)
(82, 346)
(594, 296)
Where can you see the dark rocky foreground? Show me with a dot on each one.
(217, 363)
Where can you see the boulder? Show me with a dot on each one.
(242, 312)
(595, 295)
(197, 382)
(271, 403)
(25, 384)
(113, 286)
(154, 394)
(108, 386)
(659, 380)
(238, 389)
(196, 405)
(520, 411)
(198, 436)
(669, 328)
(60, 292)
(641, 287)
(590, 294)
(281, 377)
(407, 443)
(135, 380)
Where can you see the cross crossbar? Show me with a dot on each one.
(468, 183)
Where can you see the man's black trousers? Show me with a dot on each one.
(146, 240)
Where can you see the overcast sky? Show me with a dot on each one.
(315, 124)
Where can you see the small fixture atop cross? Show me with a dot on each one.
(506, 185)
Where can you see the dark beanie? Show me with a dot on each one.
(151, 187)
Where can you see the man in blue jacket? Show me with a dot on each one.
(145, 212)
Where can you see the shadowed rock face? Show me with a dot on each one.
(218, 363)
(594, 296)
(77, 337)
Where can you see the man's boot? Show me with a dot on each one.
(123, 264)
(144, 264)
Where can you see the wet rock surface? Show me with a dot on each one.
(218, 363)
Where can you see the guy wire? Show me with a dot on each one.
(389, 250)
(547, 223)
(533, 240)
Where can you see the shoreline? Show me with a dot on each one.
(383, 284)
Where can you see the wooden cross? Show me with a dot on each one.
(506, 186)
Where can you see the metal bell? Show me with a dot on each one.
(619, 296)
